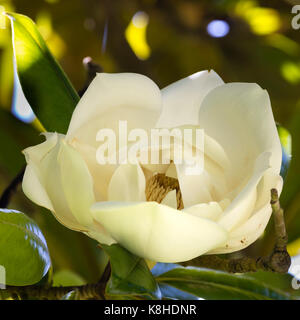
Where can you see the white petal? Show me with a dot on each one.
(33, 188)
(43, 159)
(211, 210)
(247, 233)
(182, 99)
(243, 204)
(157, 232)
(170, 199)
(127, 184)
(239, 117)
(32, 183)
(101, 235)
(195, 189)
(210, 184)
(113, 97)
(101, 173)
(77, 183)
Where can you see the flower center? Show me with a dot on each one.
(158, 186)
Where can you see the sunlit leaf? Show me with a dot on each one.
(130, 274)
(23, 249)
(45, 85)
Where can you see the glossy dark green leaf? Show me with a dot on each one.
(130, 274)
(286, 144)
(45, 85)
(215, 285)
(23, 249)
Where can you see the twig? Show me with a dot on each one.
(11, 189)
(92, 69)
(106, 273)
(278, 261)
(90, 291)
(94, 291)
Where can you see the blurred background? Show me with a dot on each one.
(245, 41)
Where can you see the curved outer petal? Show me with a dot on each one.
(58, 179)
(113, 97)
(157, 232)
(182, 99)
(42, 159)
(31, 184)
(243, 204)
(249, 231)
(239, 117)
(77, 183)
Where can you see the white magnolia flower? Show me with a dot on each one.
(223, 209)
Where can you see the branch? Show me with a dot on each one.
(89, 291)
(278, 261)
(95, 291)
(11, 189)
(92, 69)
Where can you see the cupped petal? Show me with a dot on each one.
(113, 97)
(211, 210)
(203, 180)
(101, 173)
(38, 152)
(249, 231)
(182, 99)
(127, 184)
(33, 189)
(42, 160)
(77, 183)
(239, 117)
(158, 232)
(32, 183)
(243, 204)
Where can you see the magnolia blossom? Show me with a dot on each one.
(158, 211)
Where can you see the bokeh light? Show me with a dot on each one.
(290, 71)
(135, 35)
(218, 28)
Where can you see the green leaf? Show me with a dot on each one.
(45, 85)
(286, 143)
(23, 249)
(130, 274)
(67, 278)
(215, 285)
